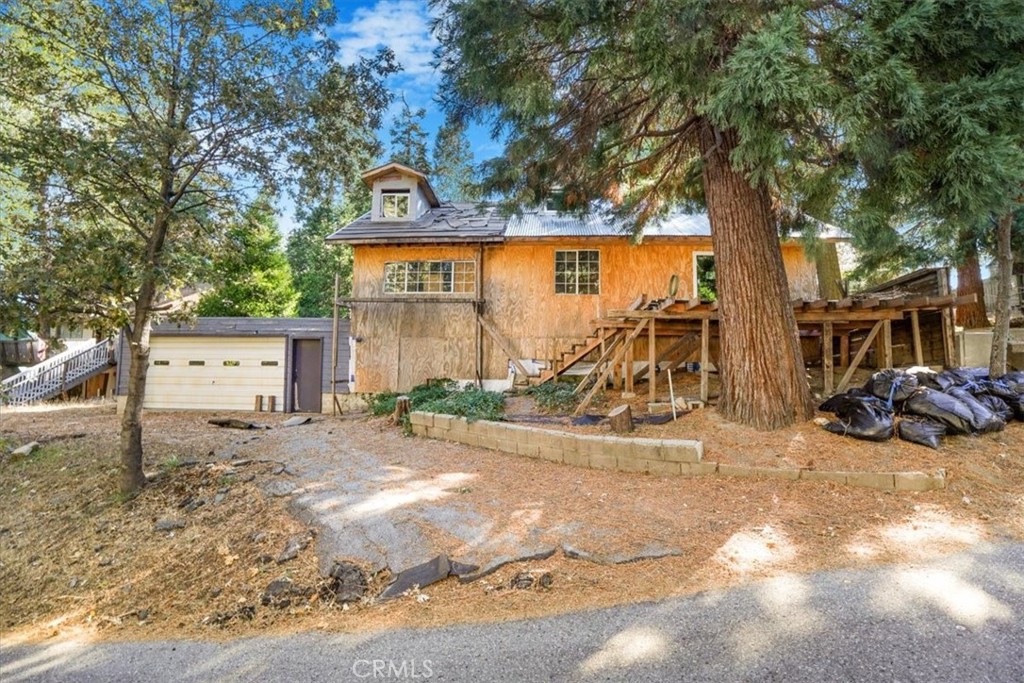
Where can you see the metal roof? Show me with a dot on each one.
(447, 223)
(547, 224)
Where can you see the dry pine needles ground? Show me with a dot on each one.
(74, 556)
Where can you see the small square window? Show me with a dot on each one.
(394, 204)
(578, 272)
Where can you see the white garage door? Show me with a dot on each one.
(223, 373)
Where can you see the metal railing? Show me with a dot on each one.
(57, 374)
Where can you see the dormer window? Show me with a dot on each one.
(394, 204)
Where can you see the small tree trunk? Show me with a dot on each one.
(968, 277)
(401, 408)
(621, 419)
(763, 380)
(1004, 269)
(132, 476)
(830, 275)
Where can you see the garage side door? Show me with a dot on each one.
(214, 373)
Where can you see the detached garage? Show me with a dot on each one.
(281, 364)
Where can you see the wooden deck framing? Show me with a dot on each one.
(688, 321)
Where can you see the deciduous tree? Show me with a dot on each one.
(166, 117)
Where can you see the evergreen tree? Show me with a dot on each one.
(452, 174)
(409, 139)
(936, 91)
(253, 279)
(314, 263)
(640, 100)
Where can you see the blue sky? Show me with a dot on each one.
(363, 27)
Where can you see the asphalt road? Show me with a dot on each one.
(959, 619)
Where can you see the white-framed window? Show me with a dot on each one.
(394, 204)
(578, 271)
(430, 277)
(705, 286)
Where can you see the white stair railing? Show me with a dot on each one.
(56, 374)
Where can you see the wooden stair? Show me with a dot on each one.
(578, 352)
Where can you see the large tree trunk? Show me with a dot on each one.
(763, 380)
(830, 276)
(968, 281)
(1004, 269)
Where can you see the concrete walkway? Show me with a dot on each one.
(386, 516)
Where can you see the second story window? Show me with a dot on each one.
(429, 277)
(394, 204)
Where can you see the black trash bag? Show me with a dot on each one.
(998, 406)
(921, 431)
(1017, 406)
(926, 377)
(958, 377)
(942, 408)
(862, 417)
(837, 402)
(1015, 380)
(995, 387)
(892, 386)
(982, 420)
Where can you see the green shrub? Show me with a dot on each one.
(471, 403)
(554, 397)
(444, 396)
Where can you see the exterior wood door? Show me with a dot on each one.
(307, 371)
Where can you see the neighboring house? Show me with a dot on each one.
(425, 269)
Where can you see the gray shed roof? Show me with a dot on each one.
(447, 223)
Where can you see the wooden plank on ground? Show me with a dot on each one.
(502, 344)
(861, 352)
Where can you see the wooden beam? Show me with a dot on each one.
(612, 343)
(861, 352)
(652, 363)
(844, 350)
(705, 355)
(599, 384)
(687, 338)
(627, 368)
(915, 332)
(502, 344)
(887, 344)
(827, 371)
(692, 303)
(350, 300)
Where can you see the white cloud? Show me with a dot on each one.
(402, 25)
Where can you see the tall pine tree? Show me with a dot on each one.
(452, 174)
(253, 279)
(409, 139)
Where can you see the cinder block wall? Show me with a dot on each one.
(653, 456)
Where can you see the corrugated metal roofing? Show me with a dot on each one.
(543, 224)
(447, 223)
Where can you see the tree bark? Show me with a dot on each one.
(763, 380)
(621, 419)
(1004, 269)
(968, 281)
(830, 275)
(132, 476)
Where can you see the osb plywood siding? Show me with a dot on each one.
(404, 344)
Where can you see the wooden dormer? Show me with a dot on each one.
(400, 193)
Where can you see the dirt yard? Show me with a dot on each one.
(74, 556)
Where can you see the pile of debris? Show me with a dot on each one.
(922, 405)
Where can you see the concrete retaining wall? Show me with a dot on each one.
(653, 456)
